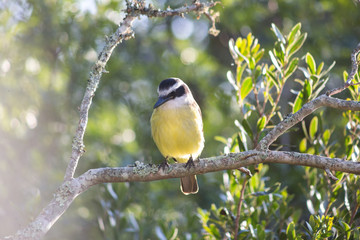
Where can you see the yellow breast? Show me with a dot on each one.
(178, 132)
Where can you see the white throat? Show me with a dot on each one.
(178, 102)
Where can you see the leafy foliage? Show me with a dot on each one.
(264, 213)
(267, 211)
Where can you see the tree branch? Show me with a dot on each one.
(124, 32)
(149, 172)
(138, 8)
(354, 69)
(141, 172)
(324, 100)
(241, 198)
(292, 119)
(354, 65)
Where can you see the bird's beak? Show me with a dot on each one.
(161, 101)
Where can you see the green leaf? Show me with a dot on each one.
(291, 68)
(313, 127)
(294, 31)
(309, 228)
(356, 233)
(311, 150)
(271, 100)
(221, 139)
(259, 55)
(234, 143)
(239, 72)
(258, 73)
(307, 90)
(242, 135)
(328, 70)
(312, 221)
(251, 63)
(347, 229)
(255, 47)
(345, 75)
(274, 61)
(279, 51)
(272, 78)
(261, 124)
(305, 72)
(303, 96)
(326, 136)
(240, 44)
(247, 127)
(250, 39)
(260, 231)
(278, 34)
(319, 69)
(349, 147)
(303, 145)
(290, 231)
(245, 88)
(320, 88)
(293, 48)
(240, 143)
(204, 215)
(242, 56)
(311, 63)
(299, 102)
(214, 231)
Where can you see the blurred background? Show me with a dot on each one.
(46, 51)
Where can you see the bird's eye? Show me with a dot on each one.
(172, 94)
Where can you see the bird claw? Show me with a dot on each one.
(164, 165)
(190, 163)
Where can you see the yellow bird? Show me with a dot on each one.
(177, 128)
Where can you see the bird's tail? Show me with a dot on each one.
(189, 185)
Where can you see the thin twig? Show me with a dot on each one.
(307, 109)
(237, 220)
(246, 171)
(353, 213)
(354, 64)
(330, 175)
(354, 69)
(212, 17)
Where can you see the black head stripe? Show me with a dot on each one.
(180, 91)
(167, 83)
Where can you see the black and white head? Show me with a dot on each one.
(174, 90)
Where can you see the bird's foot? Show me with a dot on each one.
(164, 165)
(190, 163)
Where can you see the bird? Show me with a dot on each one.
(177, 128)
